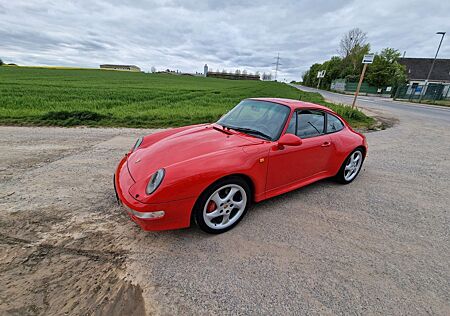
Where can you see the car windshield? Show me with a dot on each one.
(257, 118)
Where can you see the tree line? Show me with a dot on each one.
(385, 70)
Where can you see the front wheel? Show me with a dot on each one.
(351, 167)
(222, 205)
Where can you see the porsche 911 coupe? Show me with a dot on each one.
(210, 174)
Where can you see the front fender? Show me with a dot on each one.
(190, 178)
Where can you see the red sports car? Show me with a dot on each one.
(211, 173)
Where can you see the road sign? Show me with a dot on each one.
(368, 59)
(321, 74)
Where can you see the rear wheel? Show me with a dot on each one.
(351, 167)
(222, 205)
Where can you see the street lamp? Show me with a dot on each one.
(432, 66)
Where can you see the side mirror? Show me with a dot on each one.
(289, 140)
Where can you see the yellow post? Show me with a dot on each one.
(361, 78)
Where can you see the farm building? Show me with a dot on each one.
(232, 76)
(121, 67)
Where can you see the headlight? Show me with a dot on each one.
(155, 181)
(138, 143)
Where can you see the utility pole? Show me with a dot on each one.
(432, 66)
(368, 59)
(277, 65)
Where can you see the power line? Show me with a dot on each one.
(277, 65)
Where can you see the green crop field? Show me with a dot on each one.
(71, 97)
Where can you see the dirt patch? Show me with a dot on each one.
(48, 279)
(47, 268)
(62, 241)
(382, 119)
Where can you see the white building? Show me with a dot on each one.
(121, 67)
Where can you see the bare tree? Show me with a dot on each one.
(153, 69)
(237, 72)
(353, 38)
(244, 72)
(266, 76)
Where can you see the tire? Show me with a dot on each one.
(222, 205)
(351, 167)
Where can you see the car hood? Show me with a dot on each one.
(188, 144)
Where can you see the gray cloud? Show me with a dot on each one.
(185, 34)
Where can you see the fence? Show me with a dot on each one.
(350, 87)
(435, 93)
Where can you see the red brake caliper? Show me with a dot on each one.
(211, 207)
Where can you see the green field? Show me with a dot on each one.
(71, 97)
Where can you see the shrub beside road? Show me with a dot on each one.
(72, 97)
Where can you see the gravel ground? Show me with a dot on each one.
(377, 246)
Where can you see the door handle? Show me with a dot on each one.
(326, 144)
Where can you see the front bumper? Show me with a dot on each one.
(151, 217)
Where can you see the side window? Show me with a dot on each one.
(310, 123)
(292, 124)
(333, 124)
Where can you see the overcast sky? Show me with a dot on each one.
(225, 34)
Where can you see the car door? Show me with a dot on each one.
(296, 163)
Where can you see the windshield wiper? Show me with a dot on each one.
(222, 130)
(249, 131)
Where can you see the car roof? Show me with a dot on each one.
(294, 104)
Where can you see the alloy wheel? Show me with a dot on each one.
(225, 206)
(353, 165)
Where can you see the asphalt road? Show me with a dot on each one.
(423, 111)
(380, 245)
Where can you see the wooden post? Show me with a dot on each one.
(359, 84)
